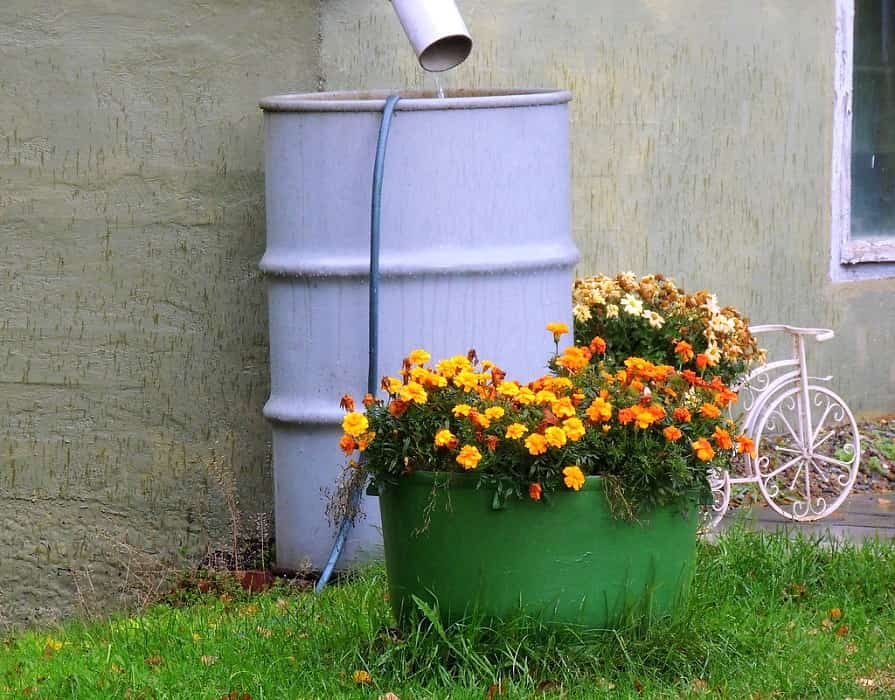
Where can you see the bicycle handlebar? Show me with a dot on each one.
(820, 334)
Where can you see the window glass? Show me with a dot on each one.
(873, 121)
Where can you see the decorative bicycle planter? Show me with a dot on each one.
(799, 469)
(567, 561)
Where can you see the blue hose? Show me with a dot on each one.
(373, 336)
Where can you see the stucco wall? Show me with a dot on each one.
(701, 146)
(133, 329)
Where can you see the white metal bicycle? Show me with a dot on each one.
(801, 470)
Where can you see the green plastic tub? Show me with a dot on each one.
(565, 561)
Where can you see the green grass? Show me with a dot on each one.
(759, 625)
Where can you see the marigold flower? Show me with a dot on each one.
(556, 437)
(368, 400)
(563, 408)
(347, 402)
(685, 350)
(444, 438)
(534, 491)
(461, 409)
(413, 392)
(625, 416)
(672, 434)
(703, 450)
(725, 396)
(525, 396)
(745, 445)
(709, 410)
(355, 424)
(573, 478)
(418, 357)
(398, 408)
(722, 439)
(545, 396)
(508, 389)
(466, 380)
(558, 330)
(573, 428)
(515, 431)
(364, 441)
(491, 442)
(347, 444)
(597, 345)
(391, 385)
(682, 415)
(599, 411)
(702, 360)
(361, 678)
(469, 457)
(536, 444)
(574, 358)
(495, 412)
(479, 420)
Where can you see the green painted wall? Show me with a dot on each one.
(701, 140)
(132, 317)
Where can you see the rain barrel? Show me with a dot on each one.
(476, 252)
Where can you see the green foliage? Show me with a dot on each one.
(752, 592)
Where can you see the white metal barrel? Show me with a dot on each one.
(476, 253)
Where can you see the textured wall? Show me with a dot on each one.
(133, 319)
(702, 146)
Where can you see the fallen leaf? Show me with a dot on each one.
(605, 683)
(117, 669)
(264, 632)
(209, 660)
(226, 599)
(547, 686)
(826, 623)
(638, 686)
(361, 678)
(842, 631)
(866, 682)
(154, 660)
(282, 604)
(494, 690)
(699, 685)
(812, 632)
(389, 696)
(835, 613)
(851, 648)
(203, 586)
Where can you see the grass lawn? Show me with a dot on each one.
(768, 618)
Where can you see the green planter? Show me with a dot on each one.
(567, 561)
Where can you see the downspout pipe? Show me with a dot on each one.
(436, 31)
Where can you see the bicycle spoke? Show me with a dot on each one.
(820, 442)
(783, 468)
(833, 460)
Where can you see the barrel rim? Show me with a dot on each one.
(413, 100)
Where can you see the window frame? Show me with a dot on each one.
(851, 258)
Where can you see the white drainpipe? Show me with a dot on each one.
(436, 31)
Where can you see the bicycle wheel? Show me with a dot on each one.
(807, 453)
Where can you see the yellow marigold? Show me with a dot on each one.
(545, 396)
(536, 444)
(558, 330)
(599, 411)
(563, 408)
(525, 396)
(418, 357)
(355, 424)
(558, 384)
(469, 457)
(515, 431)
(494, 412)
(573, 428)
(556, 437)
(508, 389)
(413, 392)
(466, 380)
(573, 478)
(444, 438)
(392, 385)
(364, 441)
(703, 449)
(461, 409)
(448, 368)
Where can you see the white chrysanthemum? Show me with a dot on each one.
(611, 311)
(722, 324)
(632, 305)
(712, 305)
(713, 352)
(581, 312)
(655, 319)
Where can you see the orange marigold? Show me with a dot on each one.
(599, 411)
(347, 444)
(745, 445)
(709, 410)
(597, 345)
(722, 439)
(702, 360)
(672, 434)
(558, 330)
(534, 491)
(445, 438)
(625, 416)
(347, 402)
(563, 408)
(574, 358)
(469, 457)
(536, 444)
(685, 350)
(703, 449)
(682, 415)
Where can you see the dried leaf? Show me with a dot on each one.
(117, 669)
(154, 660)
(547, 686)
(361, 677)
(826, 623)
(699, 685)
(638, 686)
(264, 632)
(282, 604)
(494, 690)
(209, 660)
(842, 631)
(866, 682)
(851, 648)
(389, 696)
